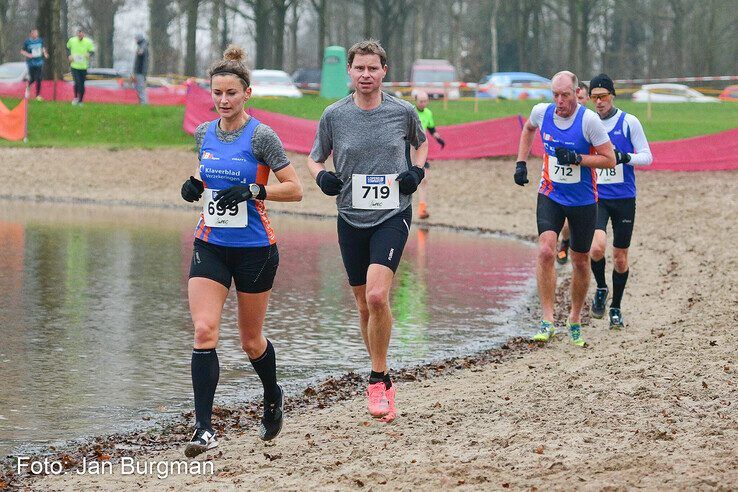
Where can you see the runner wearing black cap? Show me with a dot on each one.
(617, 192)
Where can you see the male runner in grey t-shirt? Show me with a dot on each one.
(367, 133)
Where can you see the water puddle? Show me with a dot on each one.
(95, 333)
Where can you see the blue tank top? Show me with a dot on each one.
(626, 188)
(566, 185)
(223, 165)
(36, 48)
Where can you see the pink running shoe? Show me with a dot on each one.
(378, 404)
(392, 414)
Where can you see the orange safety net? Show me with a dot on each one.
(13, 121)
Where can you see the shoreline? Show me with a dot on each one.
(653, 406)
(173, 431)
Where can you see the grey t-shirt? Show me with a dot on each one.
(265, 144)
(367, 142)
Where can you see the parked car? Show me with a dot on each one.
(13, 72)
(105, 78)
(433, 71)
(730, 93)
(515, 85)
(273, 83)
(303, 76)
(670, 93)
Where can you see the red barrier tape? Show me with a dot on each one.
(490, 138)
(64, 91)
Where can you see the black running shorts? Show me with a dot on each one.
(622, 213)
(252, 269)
(550, 217)
(381, 244)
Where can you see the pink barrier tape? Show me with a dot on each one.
(490, 138)
(64, 91)
(715, 152)
(677, 79)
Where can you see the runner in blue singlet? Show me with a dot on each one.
(234, 241)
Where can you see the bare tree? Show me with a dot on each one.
(280, 8)
(215, 7)
(163, 57)
(293, 26)
(3, 28)
(191, 7)
(320, 10)
(49, 26)
(102, 16)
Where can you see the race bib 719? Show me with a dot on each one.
(375, 191)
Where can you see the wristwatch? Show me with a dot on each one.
(254, 189)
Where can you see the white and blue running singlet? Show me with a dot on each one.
(571, 185)
(223, 165)
(619, 182)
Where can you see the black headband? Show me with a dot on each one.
(225, 71)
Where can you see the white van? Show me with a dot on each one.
(436, 72)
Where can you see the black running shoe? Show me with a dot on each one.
(616, 319)
(598, 303)
(201, 441)
(271, 422)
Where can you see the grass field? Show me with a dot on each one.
(54, 124)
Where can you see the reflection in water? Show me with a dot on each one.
(96, 332)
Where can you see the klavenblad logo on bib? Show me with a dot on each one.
(375, 180)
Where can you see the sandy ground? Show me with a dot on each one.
(654, 406)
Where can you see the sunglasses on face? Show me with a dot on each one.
(600, 97)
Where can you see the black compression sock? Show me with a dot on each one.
(564, 244)
(598, 269)
(618, 287)
(205, 373)
(266, 367)
(376, 377)
(387, 381)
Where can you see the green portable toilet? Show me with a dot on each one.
(334, 79)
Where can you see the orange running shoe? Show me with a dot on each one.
(422, 211)
(392, 414)
(378, 404)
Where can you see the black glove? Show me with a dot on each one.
(233, 195)
(621, 157)
(521, 173)
(329, 183)
(567, 157)
(410, 179)
(441, 142)
(192, 189)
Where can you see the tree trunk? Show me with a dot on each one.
(102, 15)
(368, 8)
(65, 19)
(319, 6)
(263, 33)
(294, 23)
(3, 28)
(162, 57)
(585, 10)
(217, 6)
(280, 12)
(49, 27)
(224, 33)
(190, 67)
(493, 36)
